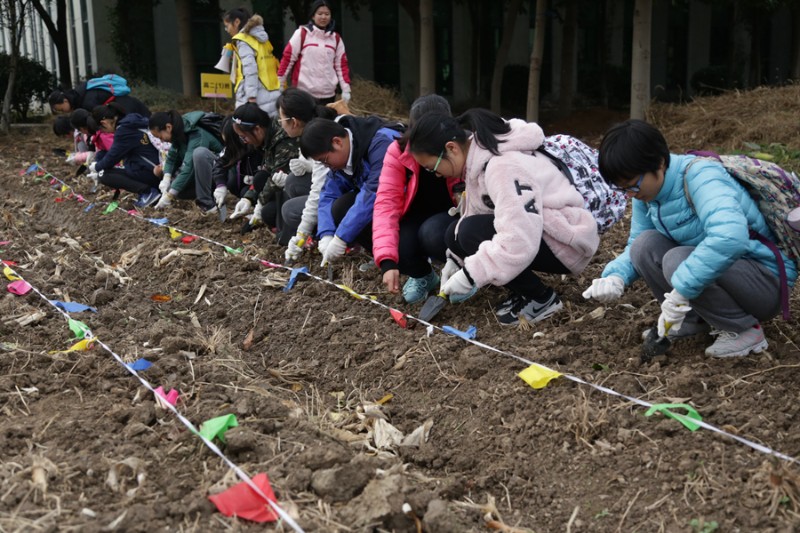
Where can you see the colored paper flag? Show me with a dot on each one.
(242, 501)
(10, 274)
(79, 329)
(158, 221)
(80, 346)
(111, 207)
(80, 198)
(9, 263)
(133, 212)
(216, 427)
(399, 317)
(293, 277)
(3, 243)
(353, 293)
(270, 265)
(538, 376)
(174, 234)
(64, 188)
(33, 168)
(19, 287)
(58, 199)
(170, 397)
(470, 333)
(140, 365)
(72, 307)
(686, 420)
(234, 251)
(188, 239)
(88, 207)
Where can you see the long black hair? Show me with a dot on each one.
(433, 131)
(248, 115)
(311, 12)
(301, 105)
(102, 112)
(235, 149)
(159, 121)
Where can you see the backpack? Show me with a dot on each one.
(578, 162)
(113, 83)
(776, 193)
(212, 123)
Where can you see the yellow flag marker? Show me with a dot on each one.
(10, 274)
(64, 188)
(175, 234)
(538, 376)
(80, 346)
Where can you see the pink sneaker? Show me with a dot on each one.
(730, 344)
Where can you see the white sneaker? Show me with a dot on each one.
(730, 344)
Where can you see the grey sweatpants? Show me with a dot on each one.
(203, 160)
(744, 295)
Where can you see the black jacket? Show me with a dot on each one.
(131, 145)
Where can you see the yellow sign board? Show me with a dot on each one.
(215, 86)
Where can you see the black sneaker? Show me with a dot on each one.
(532, 310)
(508, 304)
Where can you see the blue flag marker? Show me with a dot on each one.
(158, 221)
(293, 277)
(72, 307)
(140, 365)
(471, 332)
(88, 208)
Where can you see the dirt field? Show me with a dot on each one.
(314, 375)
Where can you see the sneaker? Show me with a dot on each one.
(417, 289)
(688, 329)
(532, 310)
(507, 305)
(146, 199)
(730, 344)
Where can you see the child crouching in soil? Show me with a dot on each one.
(700, 261)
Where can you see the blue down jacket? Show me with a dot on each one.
(718, 227)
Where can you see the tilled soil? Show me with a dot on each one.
(314, 375)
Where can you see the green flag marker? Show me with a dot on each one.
(111, 207)
(686, 420)
(216, 427)
(79, 329)
(234, 251)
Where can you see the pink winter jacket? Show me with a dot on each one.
(320, 65)
(397, 188)
(530, 199)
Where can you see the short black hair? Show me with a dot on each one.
(61, 126)
(630, 149)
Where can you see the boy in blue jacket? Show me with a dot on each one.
(353, 148)
(699, 262)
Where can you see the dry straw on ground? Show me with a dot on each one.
(724, 123)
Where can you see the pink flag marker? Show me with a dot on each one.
(19, 287)
(170, 397)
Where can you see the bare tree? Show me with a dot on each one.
(12, 14)
(535, 75)
(795, 64)
(568, 58)
(427, 66)
(184, 16)
(640, 60)
(58, 33)
(502, 53)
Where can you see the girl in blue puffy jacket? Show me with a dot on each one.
(697, 258)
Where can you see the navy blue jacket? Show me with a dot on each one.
(133, 147)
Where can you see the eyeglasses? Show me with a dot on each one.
(633, 188)
(438, 162)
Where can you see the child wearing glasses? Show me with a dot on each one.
(698, 259)
(520, 214)
(411, 214)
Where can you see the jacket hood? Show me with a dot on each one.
(135, 120)
(191, 119)
(255, 27)
(523, 137)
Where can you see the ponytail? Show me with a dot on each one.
(159, 121)
(433, 131)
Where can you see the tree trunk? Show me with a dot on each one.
(412, 8)
(567, 92)
(59, 36)
(184, 15)
(427, 48)
(14, 20)
(794, 70)
(640, 60)
(502, 54)
(535, 75)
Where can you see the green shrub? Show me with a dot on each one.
(33, 83)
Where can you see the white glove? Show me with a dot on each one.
(89, 158)
(71, 157)
(346, 96)
(334, 249)
(299, 166)
(248, 180)
(243, 207)
(279, 178)
(220, 193)
(165, 183)
(323, 243)
(459, 287)
(295, 249)
(165, 200)
(92, 167)
(673, 311)
(450, 268)
(255, 218)
(605, 289)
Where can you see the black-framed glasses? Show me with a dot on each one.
(438, 162)
(633, 188)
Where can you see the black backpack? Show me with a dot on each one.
(212, 123)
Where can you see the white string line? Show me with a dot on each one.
(213, 447)
(576, 379)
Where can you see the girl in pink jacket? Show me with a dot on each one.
(316, 58)
(520, 213)
(411, 216)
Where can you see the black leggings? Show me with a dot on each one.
(421, 237)
(479, 228)
(119, 178)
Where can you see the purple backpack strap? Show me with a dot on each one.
(781, 271)
(704, 153)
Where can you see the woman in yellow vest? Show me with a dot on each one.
(255, 70)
